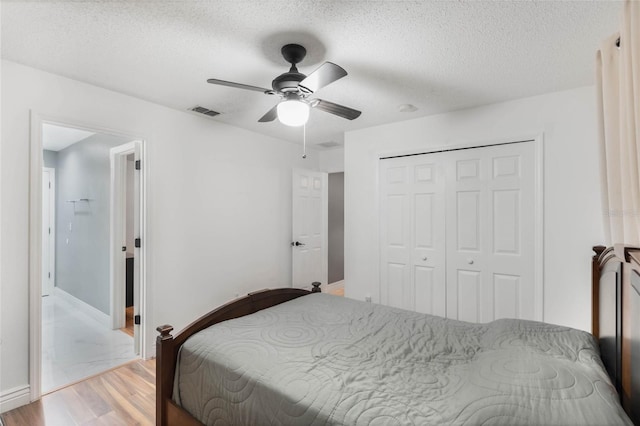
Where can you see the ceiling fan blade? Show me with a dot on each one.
(339, 110)
(271, 115)
(326, 74)
(240, 86)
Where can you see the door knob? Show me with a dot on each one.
(297, 244)
(424, 258)
(470, 261)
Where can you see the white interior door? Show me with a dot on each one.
(457, 232)
(412, 227)
(309, 228)
(48, 230)
(119, 223)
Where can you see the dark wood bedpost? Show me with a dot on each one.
(316, 287)
(165, 361)
(595, 290)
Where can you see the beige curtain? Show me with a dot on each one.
(618, 70)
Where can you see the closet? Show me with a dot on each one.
(458, 232)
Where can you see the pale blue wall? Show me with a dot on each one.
(82, 252)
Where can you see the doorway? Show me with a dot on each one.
(318, 230)
(309, 228)
(72, 331)
(335, 234)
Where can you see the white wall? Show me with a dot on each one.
(331, 160)
(572, 219)
(219, 204)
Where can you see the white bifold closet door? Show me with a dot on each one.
(457, 232)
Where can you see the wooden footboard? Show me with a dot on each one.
(616, 320)
(167, 346)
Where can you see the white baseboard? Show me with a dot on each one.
(336, 283)
(83, 307)
(14, 398)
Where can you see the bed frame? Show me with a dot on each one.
(616, 319)
(167, 346)
(615, 322)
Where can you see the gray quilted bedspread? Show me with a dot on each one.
(322, 359)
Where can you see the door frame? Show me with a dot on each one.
(37, 120)
(117, 235)
(52, 220)
(538, 141)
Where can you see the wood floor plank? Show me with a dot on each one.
(123, 401)
(123, 396)
(99, 385)
(98, 406)
(57, 411)
(128, 328)
(79, 412)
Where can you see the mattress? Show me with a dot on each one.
(328, 360)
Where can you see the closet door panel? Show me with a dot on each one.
(511, 189)
(506, 222)
(395, 252)
(506, 293)
(412, 214)
(469, 284)
(491, 194)
(468, 221)
(465, 172)
(424, 281)
(398, 285)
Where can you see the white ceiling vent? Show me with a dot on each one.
(204, 111)
(329, 144)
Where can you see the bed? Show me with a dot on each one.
(291, 356)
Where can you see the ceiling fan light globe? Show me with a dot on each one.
(293, 113)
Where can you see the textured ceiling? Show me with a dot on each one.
(439, 56)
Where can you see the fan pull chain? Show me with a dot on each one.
(304, 140)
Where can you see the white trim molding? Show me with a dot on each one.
(14, 398)
(35, 256)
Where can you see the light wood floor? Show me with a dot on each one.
(128, 328)
(336, 289)
(123, 396)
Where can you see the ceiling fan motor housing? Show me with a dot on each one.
(293, 53)
(287, 82)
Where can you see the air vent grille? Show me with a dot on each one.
(205, 111)
(329, 144)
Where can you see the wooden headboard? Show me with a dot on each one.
(616, 319)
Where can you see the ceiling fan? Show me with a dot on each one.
(295, 88)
